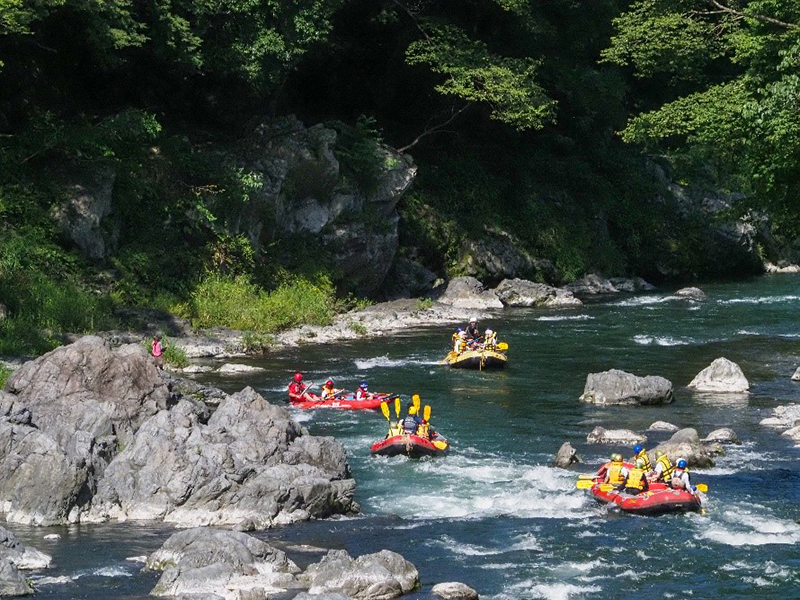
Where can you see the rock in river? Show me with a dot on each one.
(600, 435)
(722, 375)
(619, 387)
(686, 444)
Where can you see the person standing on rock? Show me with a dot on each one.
(157, 351)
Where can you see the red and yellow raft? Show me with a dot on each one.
(347, 402)
(412, 446)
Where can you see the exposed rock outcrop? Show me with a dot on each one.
(662, 426)
(468, 292)
(686, 444)
(89, 433)
(500, 256)
(722, 375)
(566, 456)
(785, 417)
(723, 435)
(600, 435)
(691, 293)
(619, 387)
(454, 590)
(591, 285)
(520, 292)
(15, 557)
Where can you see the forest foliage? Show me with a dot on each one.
(542, 118)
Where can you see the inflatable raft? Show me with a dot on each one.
(476, 359)
(347, 402)
(411, 445)
(659, 499)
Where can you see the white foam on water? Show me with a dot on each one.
(60, 580)
(759, 581)
(301, 416)
(112, 572)
(743, 527)
(137, 559)
(554, 591)
(364, 364)
(651, 340)
(644, 300)
(523, 542)
(762, 300)
(583, 567)
(499, 566)
(566, 318)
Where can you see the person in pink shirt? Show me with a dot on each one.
(157, 350)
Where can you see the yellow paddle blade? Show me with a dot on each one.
(502, 346)
(584, 484)
(415, 399)
(385, 410)
(587, 476)
(702, 487)
(426, 413)
(440, 445)
(397, 407)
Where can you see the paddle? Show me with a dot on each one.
(502, 346)
(426, 413)
(701, 487)
(584, 484)
(416, 401)
(385, 411)
(440, 444)
(397, 406)
(587, 476)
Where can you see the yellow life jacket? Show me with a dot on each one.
(422, 430)
(645, 458)
(635, 479)
(666, 474)
(491, 342)
(615, 473)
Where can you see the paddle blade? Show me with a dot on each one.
(426, 413)
(702, 487)
(415, 399)
(397, 407)
(584, 484)
(385, 410)
(439, 444)
(502, 346)
(587, 476)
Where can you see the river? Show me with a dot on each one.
(493, 513)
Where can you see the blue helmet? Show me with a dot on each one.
(637, 448)
(363, 385)
(682, 463)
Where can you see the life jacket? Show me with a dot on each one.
(635, 479)
(491, 341)
(676, 481)
(645, 458)
(666, 473)
(615, 473)
(327, 393)
(362, 394)
(423, 430)
(410, 424)
(296, 387)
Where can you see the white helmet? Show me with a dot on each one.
(489, 332)
(473, 319)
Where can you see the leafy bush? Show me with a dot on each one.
(5, 373)
(235, 302)
(175, 355)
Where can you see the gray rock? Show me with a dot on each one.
(787, 268)
(454, 590)
(796, 376)
(722, 376)
(500, 256)
(591, 285)
(685, 443)
(380, 576)
(599, 435)
(235, 369)
(662, 426)
(619, 387)
(520, 292)
(408, 279)
(783, 416)
(635, 284)
(566, 457)
(22, 557)
(692, 293)
(723, 436)
(468, 292)
(793, 433)
(12, 582)
(326, 596)
(207, 561)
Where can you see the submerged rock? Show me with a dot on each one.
(619, 387)
(599, 435)
(722, 375)
(454, 590)
(227, 564)
(380, 576)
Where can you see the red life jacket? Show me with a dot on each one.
(296, 388)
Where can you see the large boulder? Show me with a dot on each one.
(22, 557)
(691, 293)
(600, 435)
(228, 564)
(619, 387)
(722, 375)
(67, 415)
(248, 464)
(724, 435)
(468, 292)
(685, 443)
(500, 256)
(88, 433)
(12, 582)
(662, 426)
(380, 576)
(521, 292)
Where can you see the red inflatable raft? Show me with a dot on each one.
(347, 402)
(411, 445)
(657, 500)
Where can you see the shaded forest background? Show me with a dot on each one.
(555, 121)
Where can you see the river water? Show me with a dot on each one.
(493, 513)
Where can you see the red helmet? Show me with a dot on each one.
(329, 383)
(298, 377)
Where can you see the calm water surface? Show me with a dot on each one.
(493, 514)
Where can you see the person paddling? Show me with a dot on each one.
(636, 481)
(362, 393)
(680, 477)
(328, 391)
(298, 390)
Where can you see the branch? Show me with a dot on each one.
(762, 18)
(435, 128)
(413, 17)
